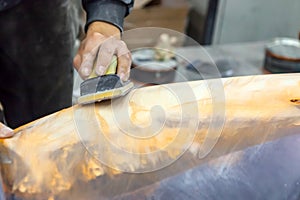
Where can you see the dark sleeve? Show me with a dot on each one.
(111, 11)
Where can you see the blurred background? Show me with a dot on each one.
(238, 37)
(220, 22)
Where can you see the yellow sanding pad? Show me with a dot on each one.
(104, 95)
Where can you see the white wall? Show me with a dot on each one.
(253, 20)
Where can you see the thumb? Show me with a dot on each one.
(5, 131)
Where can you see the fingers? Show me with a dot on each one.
(112, 47)
(77, 61)
(5, 131)
(97, 51)
(105, 54)
(87, 52)
(87, 63)
(124, 63)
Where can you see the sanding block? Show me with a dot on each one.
(99, 88)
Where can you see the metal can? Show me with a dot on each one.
(282, 55)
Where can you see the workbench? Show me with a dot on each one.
(246, 58)
(242, 58)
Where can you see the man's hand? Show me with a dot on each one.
(102, 41)
(5, 132)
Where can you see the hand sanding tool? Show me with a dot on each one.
(109, 86)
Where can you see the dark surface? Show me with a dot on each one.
(270, 170)
(267, 171)
(100, 84)
(210, 21)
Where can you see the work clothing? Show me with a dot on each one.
(111, 11)
(37, 39)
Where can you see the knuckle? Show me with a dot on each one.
(122, 47)
(96, 35)
(76, 61)
(129, 56)
(86, 57)
(122, 44)
(106, 49)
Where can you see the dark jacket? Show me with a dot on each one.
(111, 11)
(6, 4)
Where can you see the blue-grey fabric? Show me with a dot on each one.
(6, 4)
